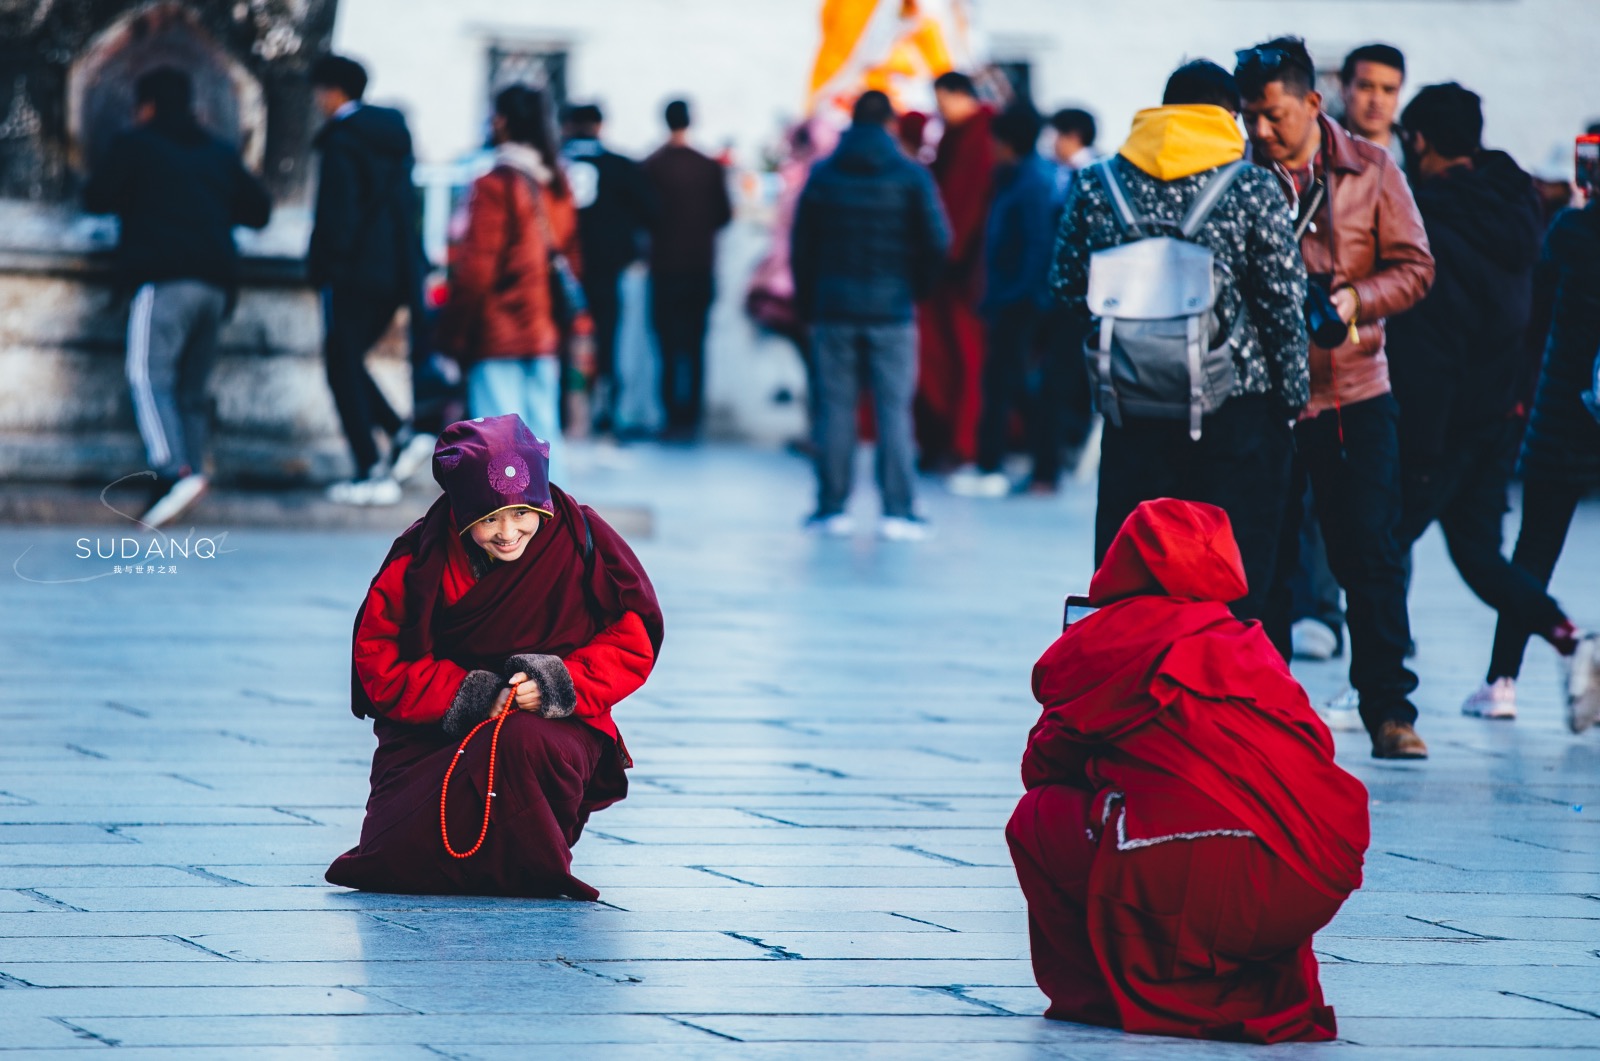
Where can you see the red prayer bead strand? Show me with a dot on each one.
(488, 801)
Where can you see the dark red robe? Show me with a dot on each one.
(950, 370)
(426, 622)
(1185, 829)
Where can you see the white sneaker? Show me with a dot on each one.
(1583, 684)
(1313, 639)
(176, 501)
(904, 529)
(1343, 713)
(970, 482)
(379, 490)
(838, 525)
(1496, 699)
(413, 456)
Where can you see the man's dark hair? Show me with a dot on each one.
(1202, 81)
(1282, 59)
(166, 88)
(1018, 127)
(955, 81)
(1382, 54)
(872, 108)
(585, 116)
(678, 115)
(1074, 122)
(1449, 116)
(335, 71)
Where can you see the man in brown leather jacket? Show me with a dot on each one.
(1362, 237)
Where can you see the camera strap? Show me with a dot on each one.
(1308, 209)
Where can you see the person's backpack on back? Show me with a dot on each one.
(1160, 350)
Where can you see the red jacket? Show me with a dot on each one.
(419, 691)
(499, 297)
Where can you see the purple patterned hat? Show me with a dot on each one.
(491, 463)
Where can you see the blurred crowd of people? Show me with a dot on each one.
(1340, 331)
(544, 248)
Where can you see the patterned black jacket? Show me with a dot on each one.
(1251, 234)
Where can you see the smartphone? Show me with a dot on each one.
(1586, 153)
(1077, 608)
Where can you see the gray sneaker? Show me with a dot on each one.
(1583, 684)
(379, 490)
(176, 501)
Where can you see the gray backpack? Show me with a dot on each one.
(1160, 351)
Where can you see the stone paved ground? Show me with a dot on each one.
(811, 862)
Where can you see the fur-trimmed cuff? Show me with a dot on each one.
(473, 702)
(557, 697)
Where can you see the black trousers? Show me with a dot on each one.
(1547, 511)
(602, 290)
(1012, 335)
(1240, 464)
(1352, 456)
(679, 306)
(354, 322)
(1465, 492)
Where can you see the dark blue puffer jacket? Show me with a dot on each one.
(870, 237)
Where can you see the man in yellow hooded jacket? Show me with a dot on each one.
(1241, 461)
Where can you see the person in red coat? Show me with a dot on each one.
(1185, 829)
(506, 586)
(949, 380)
(502, 320)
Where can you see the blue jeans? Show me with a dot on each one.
(527, 386)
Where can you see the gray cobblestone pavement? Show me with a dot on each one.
(811, 860)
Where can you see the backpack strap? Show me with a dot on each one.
(1119, 198)
(1211, 192)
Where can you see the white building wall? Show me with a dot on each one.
(744, 63)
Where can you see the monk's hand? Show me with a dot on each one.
(527, 692)
(502, 703)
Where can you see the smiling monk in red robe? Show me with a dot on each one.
(1185, 829)
(511, 602)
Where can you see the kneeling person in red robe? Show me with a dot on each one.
(506, 583)
(1185, 829)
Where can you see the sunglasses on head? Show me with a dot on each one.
(1268, 59)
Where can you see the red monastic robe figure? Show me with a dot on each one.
(442, 630)
(1185, 829)
(950, 370)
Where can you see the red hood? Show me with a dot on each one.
(1174, 549)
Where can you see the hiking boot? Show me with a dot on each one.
(1496, 699)
(1397, 740)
